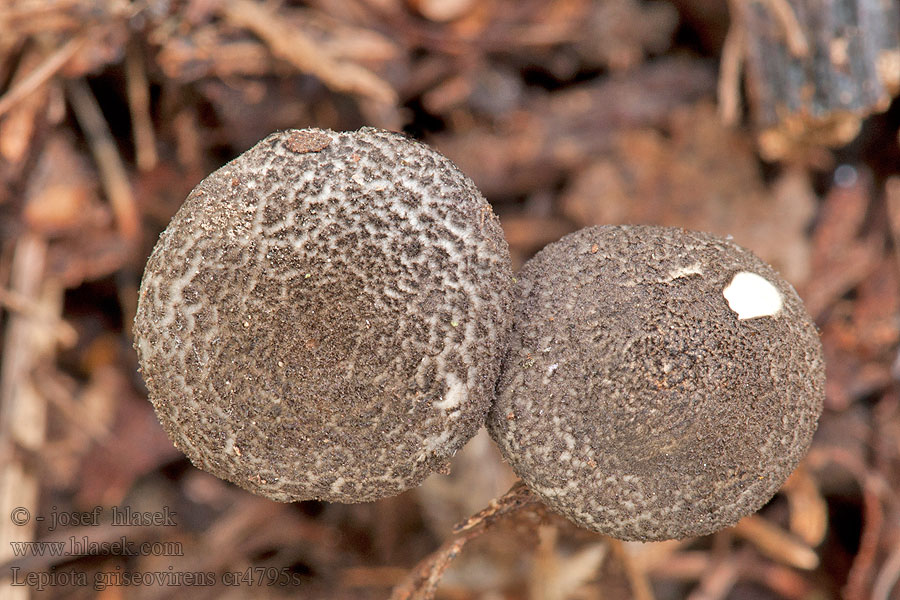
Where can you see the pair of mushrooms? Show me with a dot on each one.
(333, 315)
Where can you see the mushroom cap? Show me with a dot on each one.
(324, 316)
(640, 402)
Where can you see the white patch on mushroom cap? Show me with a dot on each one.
(752, 296)
(455, 394)
(694, 269)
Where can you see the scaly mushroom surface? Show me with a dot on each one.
(660, 383)
(323, 318)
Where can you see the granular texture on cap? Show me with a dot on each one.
(324, 316)
(660, 383)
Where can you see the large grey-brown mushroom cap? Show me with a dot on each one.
(324, 316)
(660, 383)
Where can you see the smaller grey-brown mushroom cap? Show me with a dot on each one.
(324, 316)
(660, 383)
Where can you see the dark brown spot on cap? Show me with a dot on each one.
(307, 141)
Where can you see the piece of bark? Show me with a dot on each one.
(815, 68)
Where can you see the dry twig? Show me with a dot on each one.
(22, 409)
(637, 578)
(138, 90)
(51, 65)
(730, 65)
(421, 583)
(294, 46)
(112, 170)
(873, 487)
(776, 543)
